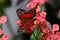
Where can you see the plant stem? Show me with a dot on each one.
(1, 26)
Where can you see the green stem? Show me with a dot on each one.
(1, 26)
(39, 35)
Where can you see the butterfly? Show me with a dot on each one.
(27, 17)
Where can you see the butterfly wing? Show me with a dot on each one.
(19, 12)
(25, 25)
(27, 18)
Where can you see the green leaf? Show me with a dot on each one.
(35, 32)
(33, 36)
(0, 26)
(40, 36)
(36, 35)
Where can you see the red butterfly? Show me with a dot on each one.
(26, 16)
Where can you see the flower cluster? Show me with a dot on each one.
(41, 23)
(51, 34)
(3, 20)
(34, 3)
(3, 36)
(47, 33)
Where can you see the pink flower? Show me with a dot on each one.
(49, 38)
(41, 19)
(37, 15)
(57, 35)
(31, 5)
(3, 20)
(36, 22)
(1, 39)
(51, 34)
(44, 36)
(45, 30)
(42, 1)
(59, 11)
(43, 14)
(19, 22)
(38, 9)
(55, 27)
(59, 39)
(5, 37)
(36, 1)
(33, 27)
(1, 31)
